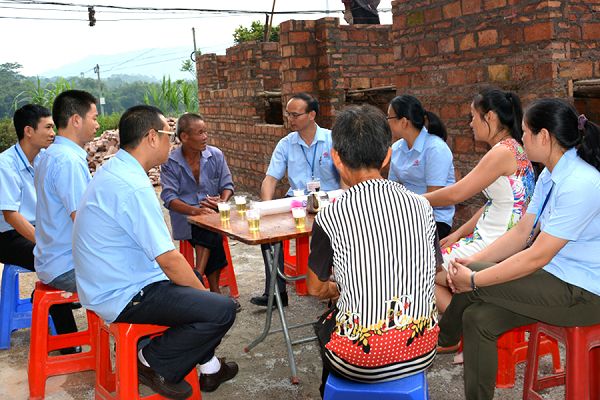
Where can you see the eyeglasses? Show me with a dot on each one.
(170, 133)
(293, 114)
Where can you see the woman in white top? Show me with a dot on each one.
(504, 175)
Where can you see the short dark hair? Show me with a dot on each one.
(28, 115)
(361, 136)
(507, 107)
(311, 103)
(135, 123)
(184, 122)
(409, 107)
(69, 103)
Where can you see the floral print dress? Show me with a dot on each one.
(507, 200)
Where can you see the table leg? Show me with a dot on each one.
(273, 254)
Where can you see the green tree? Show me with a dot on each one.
(255, 32)
(173, 97)
(11, 84)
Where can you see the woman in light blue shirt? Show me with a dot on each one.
(421, 159)
(554, 277)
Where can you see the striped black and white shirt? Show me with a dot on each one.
(379, 240)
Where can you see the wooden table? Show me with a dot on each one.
(273, 229)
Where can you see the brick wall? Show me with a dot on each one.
(445, 51)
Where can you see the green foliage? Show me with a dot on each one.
(42, 94)
(11, 84)
(108, 121)
(255, 32)
(190, 66)
(173, 97)
(8, 136)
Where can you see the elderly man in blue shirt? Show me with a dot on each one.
(128, 269)
(305, 155)
(61, 178)
(35, 132)
(194, 177)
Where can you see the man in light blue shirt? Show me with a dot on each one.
(60, 179)
(305, 155)
(128, 270)
(35, 132)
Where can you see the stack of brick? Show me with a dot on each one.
(105, 146)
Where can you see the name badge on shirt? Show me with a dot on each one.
(313, 185)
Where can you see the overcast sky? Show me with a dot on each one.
(41, 38)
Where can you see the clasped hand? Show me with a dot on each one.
(459, 276)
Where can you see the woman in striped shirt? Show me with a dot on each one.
(379, 241)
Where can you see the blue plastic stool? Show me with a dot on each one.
(16, 312)
(413, 387)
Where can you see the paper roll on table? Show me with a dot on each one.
(284, 205)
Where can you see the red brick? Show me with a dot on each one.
(471, 6)
(456, 77)
(301, 62)
(367, 59)
(451, 10)
(383, 59)
(446, 45)
(302, 87)
(463, 144)
(490, 4)
(575, 70)
(498, 72)
(487, 37)
(467, 42)
(427, 48)
(402, 81)
(591, 31)
(360, 83)
(539, 31)
(433, 15)
(358, 34)
(410, 50)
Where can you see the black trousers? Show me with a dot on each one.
(362, 16)
(280, 281)
(198, 320)
(18, 250)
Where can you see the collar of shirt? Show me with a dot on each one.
(129, 160)
(562, 168)
(177, 156)
(71, 145)
(23, 162)
(419, 143)
(320, 136)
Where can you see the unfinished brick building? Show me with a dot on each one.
(441, 51)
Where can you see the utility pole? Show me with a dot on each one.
(270, 23)
(97, 71)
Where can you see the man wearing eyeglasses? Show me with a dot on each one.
(128, 269)
(193, 179)
(305, 154)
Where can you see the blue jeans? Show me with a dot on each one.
(198, 320)
(65, 282)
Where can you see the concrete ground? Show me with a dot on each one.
(264, 372)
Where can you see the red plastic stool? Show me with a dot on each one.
(121, 382)
(41, 365)
(512, 349)
(227, 274)
(294, 265)
(582, 373)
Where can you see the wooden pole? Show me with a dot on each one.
(270, 22)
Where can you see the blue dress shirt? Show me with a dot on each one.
(178, 182)
(119, 231)
(17, 191)
(303, 162)
(60, 179)
(427, 163)
(572, 213)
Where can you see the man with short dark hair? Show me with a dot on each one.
(305, 155)
(35, 132)
(128, 269)
(60, 180)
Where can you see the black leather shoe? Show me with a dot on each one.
(156, 382)
(210, 382)
(262, 300)
(238, 306)
(70, 350)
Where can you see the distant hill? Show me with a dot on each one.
(142, 65)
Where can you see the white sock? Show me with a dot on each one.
(142, 359)
(212, 366)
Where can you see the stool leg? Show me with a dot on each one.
(595, 372)
(302, 251)
(38, 349)
(126, 360)
(578, 367)
(531, 370)
(8, 301)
